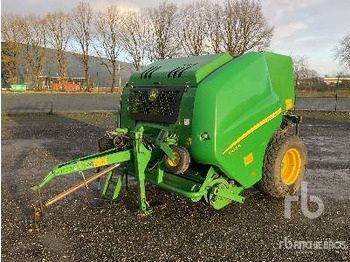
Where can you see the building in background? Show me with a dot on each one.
(50, 77)
(335, 80)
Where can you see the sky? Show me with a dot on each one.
(310, 28)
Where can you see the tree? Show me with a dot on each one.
(81, 30)
(109, 40)
(134, 37)
(244, 27)
(58, 38)
(302, 70)
(342, 51)
(214, 21)
(35, 44)
(11, 34)
(194, 28)
(163, 37)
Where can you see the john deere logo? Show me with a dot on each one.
(153, 94)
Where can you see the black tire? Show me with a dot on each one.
(272, 182)
(181, 164)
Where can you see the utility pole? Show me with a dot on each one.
(98, 90)
(336, 93)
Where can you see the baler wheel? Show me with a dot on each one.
(284, 165)
(181, 162)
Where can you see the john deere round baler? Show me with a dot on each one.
(202, 127)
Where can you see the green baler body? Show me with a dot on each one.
(239, 102)
(224, 110)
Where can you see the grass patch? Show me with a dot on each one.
(343, 93)
(325, 115)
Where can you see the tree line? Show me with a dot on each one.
(142, 36)
(302, 71)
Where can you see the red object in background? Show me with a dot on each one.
(56, 87)
(66, 87)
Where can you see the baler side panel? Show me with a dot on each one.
(183, 124)
(125, 120)
(231, 102)
(282, 79)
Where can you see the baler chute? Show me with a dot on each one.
(203, 127)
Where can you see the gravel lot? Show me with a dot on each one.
(85, 228)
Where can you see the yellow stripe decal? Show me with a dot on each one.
(253, 128)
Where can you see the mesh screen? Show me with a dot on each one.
(155, 104)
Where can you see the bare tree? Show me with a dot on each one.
(58, 38)
(11, 29)
(163, 37)
(81, 29)
(194, 28)
(134, 37)
(302, 70)
(35, 43)
(244, 27)
(108, 29)
(342, 51)
(214, 13)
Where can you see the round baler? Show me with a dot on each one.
(204, 127)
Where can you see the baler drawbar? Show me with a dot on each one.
(140, 154)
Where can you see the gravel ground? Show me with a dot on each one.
(85, 228)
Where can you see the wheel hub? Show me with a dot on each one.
(176, 160)
(290, 166)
